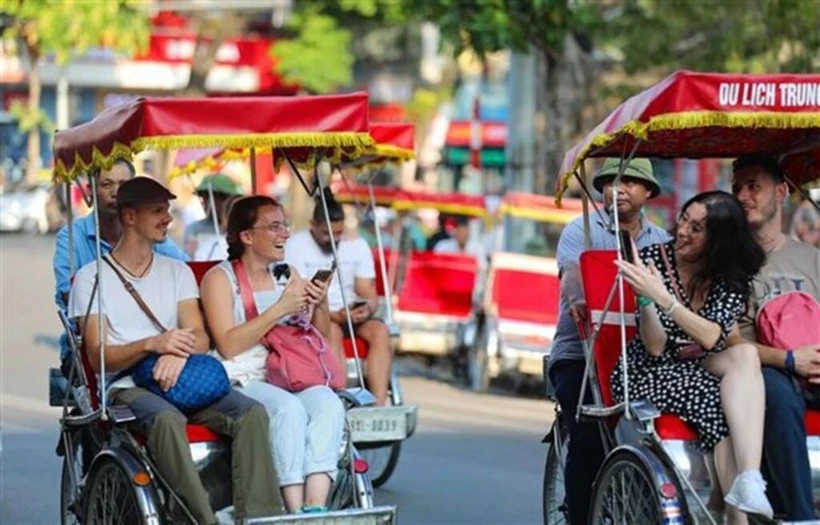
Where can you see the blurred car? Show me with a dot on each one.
(24, 208)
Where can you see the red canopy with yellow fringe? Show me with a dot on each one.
(541, 208)
(711, 115)
(452, 203)
(300, 125)
(359, 193)
(394, 142)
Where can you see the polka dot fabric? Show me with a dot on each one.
(684, 388)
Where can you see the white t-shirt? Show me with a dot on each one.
(355, 262)
(166, 284)
(451, 246)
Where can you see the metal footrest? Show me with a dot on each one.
(375, 516)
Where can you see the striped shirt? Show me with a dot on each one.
(567, 344)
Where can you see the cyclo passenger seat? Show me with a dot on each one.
(598, 273)
(195, 433)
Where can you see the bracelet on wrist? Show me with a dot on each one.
(643, 301)
(672, 307)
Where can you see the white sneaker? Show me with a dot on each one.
(225, 516)
(748, 494)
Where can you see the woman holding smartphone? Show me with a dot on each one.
(306, 426)
(690, 294)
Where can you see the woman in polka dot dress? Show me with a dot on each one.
(691, 292)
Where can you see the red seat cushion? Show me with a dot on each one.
(669, 426)
(195, 434)
(812, 420)
(200, 268)
(201, 434)
(361, 347)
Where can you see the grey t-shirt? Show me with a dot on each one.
(567, 344)
(794, 267)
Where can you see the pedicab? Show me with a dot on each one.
(646, 475)
(106, 469)
(437, 291)
(516, 322)
(378, 431)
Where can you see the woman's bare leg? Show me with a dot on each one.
(726, 473)
(317, 487)
(294, 496)
(743, 397)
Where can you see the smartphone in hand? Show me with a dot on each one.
(324, 275)
(626, 247)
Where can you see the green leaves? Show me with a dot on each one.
(67, 28)
(319, 57)
(28, 120)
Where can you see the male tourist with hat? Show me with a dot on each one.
(85, 237)
(224, 188)
(566, 360)
(169, 291)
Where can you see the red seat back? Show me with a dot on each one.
(200, 268)
(598, 273)
(536, 301)
(437, 283)
(361, 347)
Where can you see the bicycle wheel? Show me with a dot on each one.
(381, 462)
(554, 492)
(112, 499)
(625, 492)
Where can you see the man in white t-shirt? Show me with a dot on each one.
(169, 290)
(310, 251)
(460, 242)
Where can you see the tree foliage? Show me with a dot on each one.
(751, 36)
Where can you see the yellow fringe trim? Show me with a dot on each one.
(549, 216)
(454, 209)
(691, 120)
(344, 143)
(393, 153)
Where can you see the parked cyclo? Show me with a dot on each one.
(516, 321)
(645, 477)
(379, 431)
(107, 476)
(433, 292)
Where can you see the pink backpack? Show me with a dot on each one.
(299, 357)
(788, 321)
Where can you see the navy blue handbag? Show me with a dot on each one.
(202, 382)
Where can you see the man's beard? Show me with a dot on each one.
(326, 247)
(767, 214)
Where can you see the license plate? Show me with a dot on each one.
(531, 366)
(425, 342)
(371, 424)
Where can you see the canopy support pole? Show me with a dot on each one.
(382, 265)
(618, 248)
(298, 175)
(585, 198)
(334, 248)
(69, 229)
(100, 322)
(254, 183)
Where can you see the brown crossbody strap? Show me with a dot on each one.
(136, 295)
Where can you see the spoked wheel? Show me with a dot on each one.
(111, 496)
(382, 462)
(554, 508)
(72, 473)
(625, 493)
(351, 489)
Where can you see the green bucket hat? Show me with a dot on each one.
(220, 183)
(640, 169)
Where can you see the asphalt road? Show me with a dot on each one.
(474, 458)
